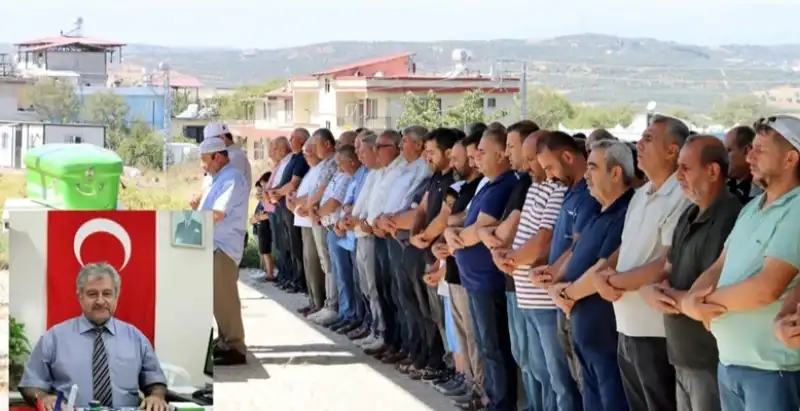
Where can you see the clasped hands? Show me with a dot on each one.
(787, 329)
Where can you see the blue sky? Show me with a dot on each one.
(263, 24)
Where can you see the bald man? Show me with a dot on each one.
(348, 138)
(697, 242)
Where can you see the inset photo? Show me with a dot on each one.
(107, 311)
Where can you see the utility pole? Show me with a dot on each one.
(523, 85)
(167, 123)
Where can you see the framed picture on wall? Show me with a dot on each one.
(187, 229)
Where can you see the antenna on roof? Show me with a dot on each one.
(77, 28)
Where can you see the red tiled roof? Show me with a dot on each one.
(59, 41)
(257, 133)
(179, 80)
(355, 66)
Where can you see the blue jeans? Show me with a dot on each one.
(550, 361)
(490, 317)
(750, 389)
(342, 268)
(537, 395)
(360, 302)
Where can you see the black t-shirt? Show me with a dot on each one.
(437, 187)
(515, 203)
(296, 167)
(697, 242)
(465, 195)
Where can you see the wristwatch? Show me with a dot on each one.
(563, 294)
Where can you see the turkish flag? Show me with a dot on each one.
(124, 239)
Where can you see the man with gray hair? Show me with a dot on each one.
(647, 375)
(698, 241)
(609, 171)
(64, 353)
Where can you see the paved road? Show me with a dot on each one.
(294, 365)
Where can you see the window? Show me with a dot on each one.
(371, 108)
(328, 125)
(258, 150)
(76, 139)
(481, 103)
(439, 104)
(327, 85)
(491, 103)
(5, 141)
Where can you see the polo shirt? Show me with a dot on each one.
(306, 188)
(296, 167)
(592, 318)
(651, 220)
(437, 187)
(515, 203)
(747, 338)
(577, 209)
(696, 243)
(228, 193)
(542, 205)
(465, 195)
(475, 264)
(336, 190)
(744, 189)
(411, 177)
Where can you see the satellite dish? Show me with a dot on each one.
(79, 21)
(651, 106)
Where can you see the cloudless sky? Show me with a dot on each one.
(284, 23)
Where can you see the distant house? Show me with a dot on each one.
(145, 103)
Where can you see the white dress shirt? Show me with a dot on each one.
(405, 185)
(378, 196)
(360, 207)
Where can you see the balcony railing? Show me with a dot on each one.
(373, 123)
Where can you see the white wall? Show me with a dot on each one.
(63, 133)
(184, 289)
(6, 146)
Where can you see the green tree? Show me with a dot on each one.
(470, 110)
(180, 102)
(108, 109)
(743, 109)
(141, 146)
(55, 100)
(600, 116)
(238, 105)
(548, 108)
(423, 110)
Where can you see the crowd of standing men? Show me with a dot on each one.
(519, 268)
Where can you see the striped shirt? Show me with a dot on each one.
(542, 206)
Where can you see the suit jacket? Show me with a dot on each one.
(190, 233)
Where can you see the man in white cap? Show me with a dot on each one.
(235, 153)
(227, 198)
(754, 281)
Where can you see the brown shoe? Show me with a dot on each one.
(391, 359)
(375, 352)
(415, 373)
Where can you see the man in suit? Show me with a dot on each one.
(189, 231)
(108, 359)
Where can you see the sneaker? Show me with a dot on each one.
(376, 343)
(365, 341)
(328, 319)
(324, 316)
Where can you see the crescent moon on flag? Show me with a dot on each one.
(102, 225)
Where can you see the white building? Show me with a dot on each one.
(368, 94)
(17, 138)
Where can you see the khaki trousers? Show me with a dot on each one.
(315, 277)
(227, 306)
(465, 333)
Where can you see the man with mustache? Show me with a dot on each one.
(99, 342)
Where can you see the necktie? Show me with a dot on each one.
(101, 381)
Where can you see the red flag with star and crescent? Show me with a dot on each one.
(124, 239)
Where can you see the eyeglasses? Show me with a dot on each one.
(380, 146)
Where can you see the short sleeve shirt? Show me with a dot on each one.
(515, 203)
(592, 318)
(336, 190)
(478, 271)
(649, 224)
(542, 206)
(577, 209)
(297, 167)
(747, 338)
(465, 195)
(696, 244)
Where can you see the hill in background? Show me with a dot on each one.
(590, 68)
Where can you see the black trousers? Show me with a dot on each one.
(293, 251)
(393, 336)
(279, 242)
(647, 376)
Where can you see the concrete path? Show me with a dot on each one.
(295, 365)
